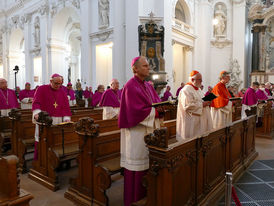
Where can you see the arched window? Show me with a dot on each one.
(179, 12)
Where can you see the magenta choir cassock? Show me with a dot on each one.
(54, 102)
(96, 98)
(136, 119)
(8, 101)
(250, 99)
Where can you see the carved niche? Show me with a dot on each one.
(220, 20)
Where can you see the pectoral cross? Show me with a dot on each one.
(55, 104)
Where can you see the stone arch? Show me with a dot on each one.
(65, 33)
(16, 57)
(181, 11)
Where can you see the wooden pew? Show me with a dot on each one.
(58, 144)
(236, 109)
(5, 133)
(10, 192)
(193, 172)
(170, 112)
(22, 135)
(98, 160)
(267, 129)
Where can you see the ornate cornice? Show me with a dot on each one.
(220, 43)
(238, 1)
(44, 9)
(101, 35)
(36, 51)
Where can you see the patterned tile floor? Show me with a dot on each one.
(256, 186)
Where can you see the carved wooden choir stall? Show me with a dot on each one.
(193, 172)
(10, 192)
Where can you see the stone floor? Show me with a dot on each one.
(45, 197)
(256, 186)
(265, 148)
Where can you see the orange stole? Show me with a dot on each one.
(223, 94)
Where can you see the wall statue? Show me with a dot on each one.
(36, 32)
(234, 69)
(103, 8)
(221, 19)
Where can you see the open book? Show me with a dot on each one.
(234, 98)
(209, 97)
(164, 103)
(64, 123)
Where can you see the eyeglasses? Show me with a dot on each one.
(56, 83)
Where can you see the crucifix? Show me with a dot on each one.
(55, 104)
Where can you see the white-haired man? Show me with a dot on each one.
(193, 114)
(221, 107)
(268, 89)
(53, 100)
(110, 101)
(8, 99)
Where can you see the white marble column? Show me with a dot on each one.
(87, 75)
(202, 46)
(239, 44)
(5, 39)
(165, 11)
(45, 52)
(28, 57)
(131, 34)
(118, 49)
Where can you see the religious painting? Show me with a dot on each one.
(151, 45)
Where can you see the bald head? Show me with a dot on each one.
(3, 84)
(114, 84)
(141, 68)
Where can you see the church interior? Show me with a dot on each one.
(68, 71)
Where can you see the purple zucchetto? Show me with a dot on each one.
(134, 60)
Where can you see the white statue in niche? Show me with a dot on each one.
(220, 17)
(36, 32)
(103, 8)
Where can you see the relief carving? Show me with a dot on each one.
(86, 126)
(171, 164)
(15, 114)
(44, 119)
(234, 69)
(206, 146)
(158, 138)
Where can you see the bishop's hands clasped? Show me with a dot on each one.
(206, 103)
